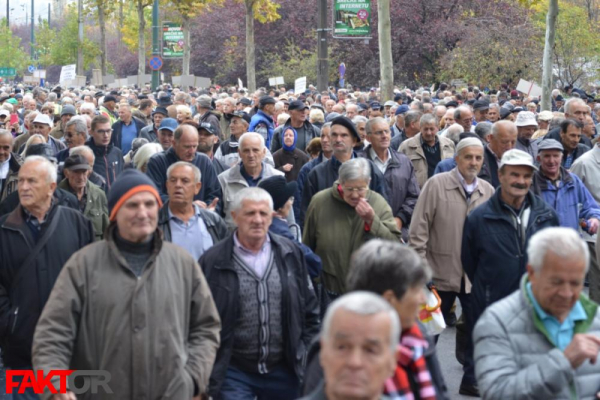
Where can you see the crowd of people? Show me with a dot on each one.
(279, 245)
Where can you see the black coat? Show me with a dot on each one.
(489, 169)
(297, 158)
(109, 161)
(22, 301)
(314, 371)
(310, 132)
(117, 128)
(301, 322)
(494, 255)
(555, 134)
(157, 171)
(214, 224)
(61, 197)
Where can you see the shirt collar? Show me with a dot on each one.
(470, 188)
(240, 246)
(577, 313)
(173, 216)
(247, 176)
(375, 156)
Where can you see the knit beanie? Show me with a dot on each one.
(129, 183)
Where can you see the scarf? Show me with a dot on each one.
(293, 146)
(411, 362)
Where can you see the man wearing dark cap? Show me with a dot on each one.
(262, 121)
(149, 293)
(299, 121)
(150, 132)
(205, 110)
(68, 111)
(227, 152)
(398, 127)
(480, 111)
(92, 200)
(207, 138)
(166, 131)
(108, 108)
(37, 238)
(243, 103)
(344, 137)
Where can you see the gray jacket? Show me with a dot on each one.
(514, 359)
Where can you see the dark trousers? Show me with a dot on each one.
(279, 384)
(448, 299)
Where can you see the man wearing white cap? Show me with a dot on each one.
(497, 233)
(526, 127)
(42, 124)
(436, 232)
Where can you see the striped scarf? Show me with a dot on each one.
(411, 361)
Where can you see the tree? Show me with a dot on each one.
(264, 11)
(548, 50)
(11, 51)
(141, 5)
(104, 9)
(385, 50)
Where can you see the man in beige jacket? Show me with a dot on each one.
(427, 149)
(437, 226)
(132, 305)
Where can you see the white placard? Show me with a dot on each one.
(188, 80)
(67, 73)
(176, 80)
(276, 81)
(30, 79)
(40, 73)
(203, 83)
(529, 88)
(300, 85)
(240, 83)
(108, 79)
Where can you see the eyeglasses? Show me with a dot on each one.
(361, 190)
(104, 131)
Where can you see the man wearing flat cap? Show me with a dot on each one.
(149, 293)
(480, 111)
(150, 132)
(67, 112)
(205, 110)
(526, 127)
(262, 121)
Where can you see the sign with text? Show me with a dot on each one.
(529, 88)
(67, 73)
(276, 81)
(6, 71)
(352, 19)
(300, 85)
(58, 381)
(172, 45)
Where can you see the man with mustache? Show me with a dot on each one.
(436, 230)
(496, 234)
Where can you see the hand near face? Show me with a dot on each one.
(365, 211)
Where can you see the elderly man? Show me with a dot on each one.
(340, 219)
(493, 114)
(183, 222)
(75, 135)
(228, 152)
(578, 110)
(480, 111)
(464, 117)
(427, 149)
(150, 294)
(9, 165)
(570, 135)
(496, 234)
(262, 122)
(185, 149)
(411, 120)
(304, 129)
(166, 132)
(398, 126)
(542, 341)
(229, 105)
(92, 200)
(107, 108)
(109, 159)
(126, 129)
(207, 139)
(359, 340)
(344, 138)
(398, 172)
(248, 173)
(42, 124)
(207, 114)
(503, 138)
(151, 131)
(67, 112)
(266, 304)
(526, 127)
(36, 240)
(437, 227)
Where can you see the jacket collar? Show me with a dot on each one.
(98, 149)
(163, 215)
(111, 231)
(496, 210)
(16, 220)
(541, 181)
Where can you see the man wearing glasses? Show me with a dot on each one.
(109, 159)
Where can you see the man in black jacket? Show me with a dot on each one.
(185, 149)
(267, 305)
(305, 130)
(109, 159)
(126, 129)
(183, 222)
(36, 240)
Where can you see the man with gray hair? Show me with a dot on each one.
(542, 341)
(359, 339)
(575, 108)
(183, 222)
(267, 305)
(9, 165)
(75, 134)
(36, 240)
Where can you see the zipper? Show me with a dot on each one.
(14, 324)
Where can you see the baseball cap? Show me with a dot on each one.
(375, 106)
(242, 115)
(43, 119)
(77, 162)
(517, 157)
(550, 144)
(390, 103)
(403, 109)
(297, 105)
(481, 105)
(168, 124)
(545, 116)
(4, 112)
(207, 127)
(526, 118)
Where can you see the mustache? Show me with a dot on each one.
(519, 186)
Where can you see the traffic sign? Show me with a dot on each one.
(31, 68)
(6, 71)
(156, 63)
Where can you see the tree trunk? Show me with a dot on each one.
(187, 54)
(80, 37)
(102, 23)
(250, 56)
(120, 23)
(141, 39)
(547, 61)
(385, 50)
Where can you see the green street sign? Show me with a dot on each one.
(6, 71)
(172, 40)
(351, 19)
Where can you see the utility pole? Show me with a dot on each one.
(155, 44)
(385, 50)
(7, 13)
(323, 59)
(80, 41)
(32, 45)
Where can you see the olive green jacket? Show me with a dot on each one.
(96, 208)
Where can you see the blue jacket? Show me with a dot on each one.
(261, 118)
(571, 200)
(157, 171)
(313, 261)
(494, 252)
(444, 166)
